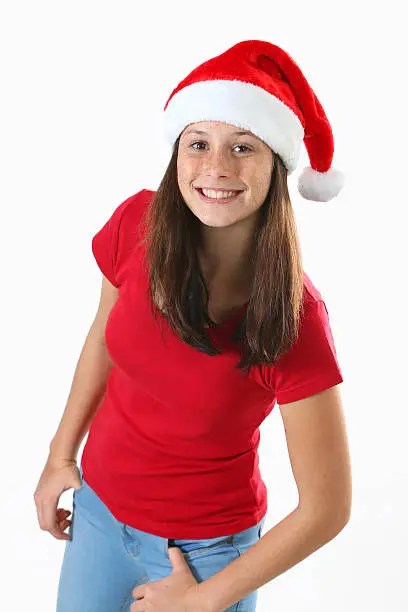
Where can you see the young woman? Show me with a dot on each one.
(206, 321)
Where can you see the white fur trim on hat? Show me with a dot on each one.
(242, 104)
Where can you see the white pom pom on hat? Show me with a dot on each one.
(320, 186)
(258, 86)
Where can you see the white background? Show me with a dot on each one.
(83, 86)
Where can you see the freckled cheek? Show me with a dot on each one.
(188, 173)
(259, 182)
(183, 170)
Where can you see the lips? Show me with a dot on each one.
(217, 200)
(220, 189)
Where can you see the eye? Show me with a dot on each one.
(202, 142)
(243, 146)
(194, 143)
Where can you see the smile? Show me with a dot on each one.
(217, 199)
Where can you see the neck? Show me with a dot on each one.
(225, 255)
(234, 275)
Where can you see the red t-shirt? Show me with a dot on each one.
(173, 448)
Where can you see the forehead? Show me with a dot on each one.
(208, 128)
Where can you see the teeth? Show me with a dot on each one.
(218, 194)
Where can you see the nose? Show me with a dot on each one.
(218, 164)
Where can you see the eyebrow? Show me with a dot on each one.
(239, 133)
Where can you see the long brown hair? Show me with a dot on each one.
(178, 289)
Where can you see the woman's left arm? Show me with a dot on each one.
(319, 455)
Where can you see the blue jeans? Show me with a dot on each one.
(105, 559)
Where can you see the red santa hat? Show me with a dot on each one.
(257, 86)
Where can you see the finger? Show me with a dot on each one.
(58, 534)
(64, 524)
(48, 520)
(44, 514)
(62, 510)
(61, 513)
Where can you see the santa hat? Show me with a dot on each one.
(257, 86)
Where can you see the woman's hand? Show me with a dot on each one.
(58, 475)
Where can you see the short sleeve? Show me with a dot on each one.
(311, 364)
(113, 243)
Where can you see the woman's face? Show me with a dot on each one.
(221, 159)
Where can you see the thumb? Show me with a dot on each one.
(77, 478)
(177, 559)
(79, 484)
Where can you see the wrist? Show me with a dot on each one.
(204, 603)
(55, 457)
(60, 452)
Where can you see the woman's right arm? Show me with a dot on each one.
(88, 385)
(87, 390)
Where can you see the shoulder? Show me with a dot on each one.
(129, 222)
(115, 243)
(126, 219)
(133, 208)
(311, 294)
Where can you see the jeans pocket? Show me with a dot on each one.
(80, 488)
(82, 481)
(248, 537)
(261, 526)
(192, 549)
